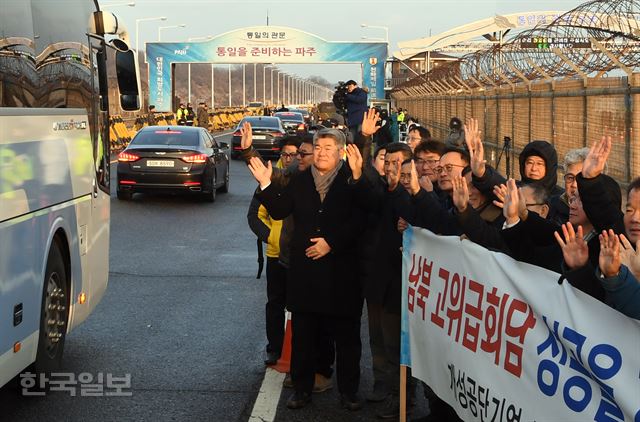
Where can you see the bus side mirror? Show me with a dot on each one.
(128, 81)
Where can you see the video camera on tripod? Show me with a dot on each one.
(507, 150)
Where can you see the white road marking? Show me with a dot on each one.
(266, 405)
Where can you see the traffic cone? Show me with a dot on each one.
(284, 363)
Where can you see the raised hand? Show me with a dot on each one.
(574, 248)
(630, 257)
(415, 182)
(355, 161)
(369, 122)
(246, 136)
(609, 259)
(319, 249)
(425, 183)
(511, 202)
(500, 192)
(473, 139)
(597, 158)
(260, 172)
(460, 193)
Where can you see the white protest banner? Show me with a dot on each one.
(501, 340)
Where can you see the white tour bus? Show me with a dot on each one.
(54, 172)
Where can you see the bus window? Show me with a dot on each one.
(63, 63)
(18, 78)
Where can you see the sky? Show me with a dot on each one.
(333, 20)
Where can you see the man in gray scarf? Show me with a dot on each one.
(322, 290)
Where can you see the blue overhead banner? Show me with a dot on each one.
(262, 44)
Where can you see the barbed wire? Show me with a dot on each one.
(594, 37)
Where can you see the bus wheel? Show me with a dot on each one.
(54, 314)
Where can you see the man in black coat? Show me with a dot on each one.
(323, 290)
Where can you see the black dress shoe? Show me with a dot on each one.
(298, 400)
(272, 358)
(350, 402)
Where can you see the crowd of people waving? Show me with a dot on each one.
(339, 242)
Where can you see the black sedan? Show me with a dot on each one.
(267, 135)
(173, 159)
(308, 118)
(293, 122)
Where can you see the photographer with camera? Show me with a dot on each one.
(356, 105)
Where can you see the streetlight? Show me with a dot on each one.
(264, 95)
(229, 84)
(294, 90)
(272, 69)
(278, 85)
(285, 90)
(159, 18)
(212, 88)
(160, 28)
(288, 89)
(244, 88)
(254, 83)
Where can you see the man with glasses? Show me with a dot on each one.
(437, 213)
(305, 155)
(288, 152)
(426, 156)
(450, 165)
(559, 204)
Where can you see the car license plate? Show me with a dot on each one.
(160, 163)
(259, 137)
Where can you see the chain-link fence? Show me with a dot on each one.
(569, 114)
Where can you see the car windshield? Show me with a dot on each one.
(167, 137)
(295, 117)
(261, 122)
